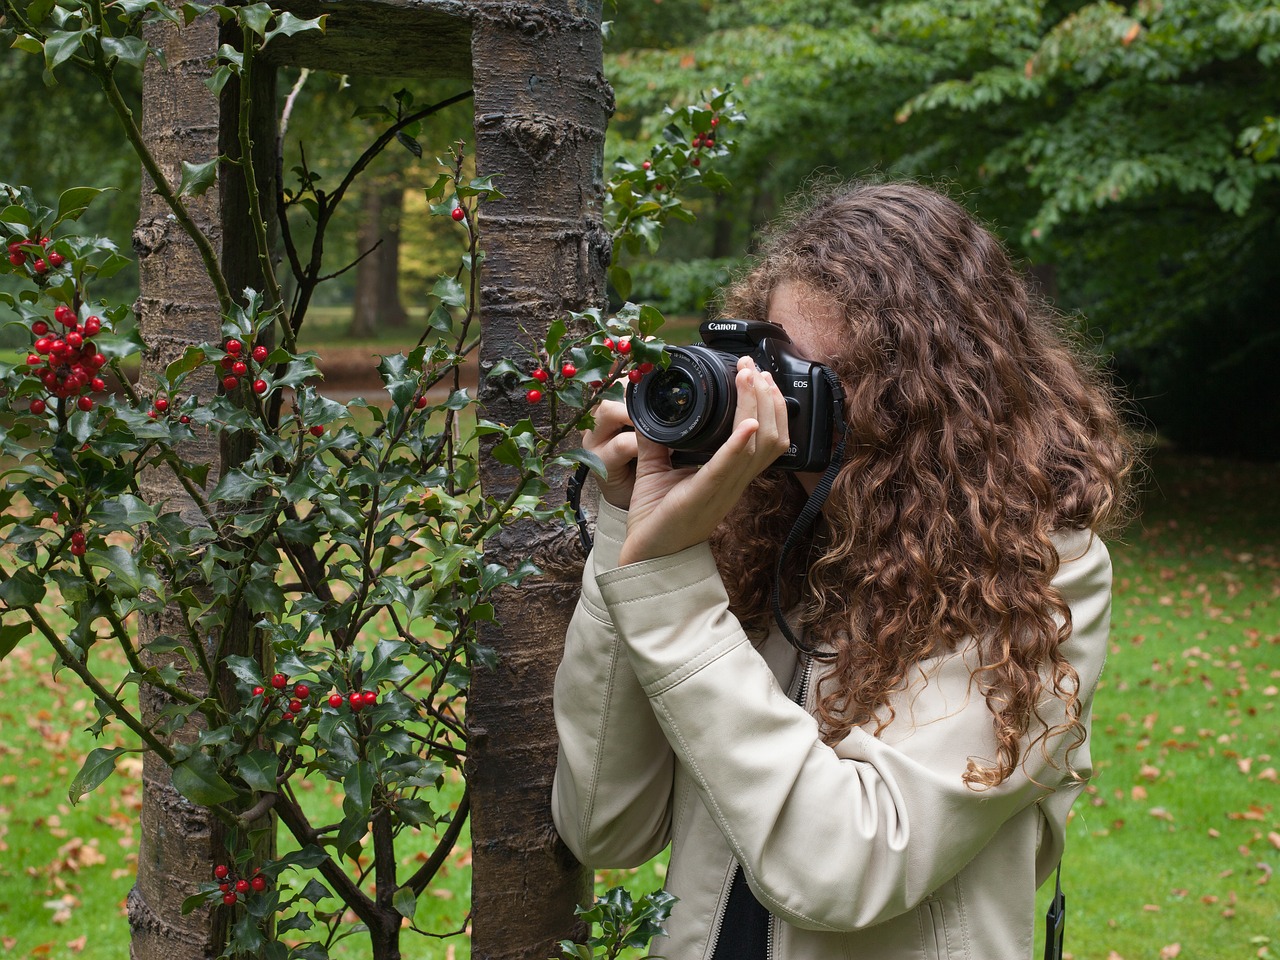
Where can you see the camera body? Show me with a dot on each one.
(689, 405)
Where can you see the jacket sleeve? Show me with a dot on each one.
(843, 838)
(611, 796)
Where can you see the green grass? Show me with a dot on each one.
(1174, 844)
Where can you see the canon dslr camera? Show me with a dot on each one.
(689, 405)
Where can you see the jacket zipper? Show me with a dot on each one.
(802, 691)
(723, 909)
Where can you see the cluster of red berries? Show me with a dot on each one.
(233, 887)
(160, 406)
(67, 363)
(41, 263)
(623, 348)
(542, 375)
(236, 366)
(296, 701)
(293, 703)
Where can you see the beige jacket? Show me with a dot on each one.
(675, 729)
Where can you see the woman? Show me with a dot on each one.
(903, 790)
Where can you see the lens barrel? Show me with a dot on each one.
(689, 405)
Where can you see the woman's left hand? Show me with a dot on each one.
(675, 508)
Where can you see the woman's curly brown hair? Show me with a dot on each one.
(975, 431)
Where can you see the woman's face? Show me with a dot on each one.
(812, 320)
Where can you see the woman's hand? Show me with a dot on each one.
(671, 508)
(614, 442)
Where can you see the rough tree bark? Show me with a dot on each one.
(541, 104)
(177, 306)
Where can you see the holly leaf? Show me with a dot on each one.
(405, 902)
(197, 778)
(10, 635)
(198, 177)
(99, 765)
(258, 768)
(74, 202)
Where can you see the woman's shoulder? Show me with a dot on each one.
(1084, 562)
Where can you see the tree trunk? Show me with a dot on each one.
(377, 299)
(541, 104)
(177, 306)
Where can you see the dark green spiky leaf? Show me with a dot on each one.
(198, 177)
(22, 588)
(99, 765)
(75, 201)
(258, 768)
(197, 778)
(10, 635)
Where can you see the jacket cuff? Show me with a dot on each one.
(673, 614)
(611, 530)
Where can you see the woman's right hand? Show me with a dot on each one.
(614, 441)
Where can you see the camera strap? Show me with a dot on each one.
(809, 512)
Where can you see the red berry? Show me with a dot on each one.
(239, 368)
(259, 386)
(279, 681)
(229, 899)
(534, 395)
(659, 186)
(608, 343)
(259, 883)
(98, 360)
(335, 700)
(234, 347)
(357, 702)
(568, 370)
(58, 347)
(184, 419)
(91, 326)
(56, 259)
(242, 886)
(540, 375)
(227, 362)
(646, 165)
(15, 246)
(64, 315)
(317, 431)
(222, 871)
(697, 142)
(224, 887)
(420, 403)
(33, 360)
(98, 384)
(18, 259)
(77, 537)
(161, 404)
(260, 353)
(40, 266)
(85, 404)
(624, 345)
(44, 345)
(151, 414)
(635, 376)
(458, 213)
(39, 328)
(295, 706)
(645, 367)
(77, 549)
(370, 697)
(74, 340)
(259, 691)
(696, 162)
(229, 383)
(301, 691)
(37, 406)
(287, 716)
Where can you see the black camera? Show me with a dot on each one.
(689, 405)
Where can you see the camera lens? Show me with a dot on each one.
(670, 396)
(688, 406)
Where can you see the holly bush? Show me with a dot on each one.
(330, 517)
